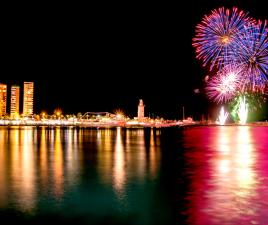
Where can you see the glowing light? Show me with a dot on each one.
(222, 116)
(242, 111)
(119, 116)
(43, 114)
(58, 112)
(224, 166)
(119, 113)
(225, 39)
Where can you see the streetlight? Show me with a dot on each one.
(58, 112)
(43, 114)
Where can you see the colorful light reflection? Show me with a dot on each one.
(228, 177)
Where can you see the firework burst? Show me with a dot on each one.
(225, 84)
(252, 54)
(215, 39)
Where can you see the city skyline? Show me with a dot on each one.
(10, 100)
(115, 57)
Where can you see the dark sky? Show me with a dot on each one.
(105, 57)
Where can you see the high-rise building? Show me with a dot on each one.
(141, 109)
(28, 94)
(15, 101)
(3, 99)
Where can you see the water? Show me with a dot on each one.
(197, 175)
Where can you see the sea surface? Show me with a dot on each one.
(203, 175)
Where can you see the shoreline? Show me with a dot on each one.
(137, 126)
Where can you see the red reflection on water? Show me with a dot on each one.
(228, 171)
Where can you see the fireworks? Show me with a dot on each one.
(222, 116)
(237, 46)
(239, 109)
(242, 110)
(255, 101)
(224, 86)
(217, 34)
(253, 54)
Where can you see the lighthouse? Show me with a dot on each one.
(141, 110)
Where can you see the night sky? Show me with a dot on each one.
(106, 57)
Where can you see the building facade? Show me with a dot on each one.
(3, 99)
(28, 97)
(141, 109)
(15, 101)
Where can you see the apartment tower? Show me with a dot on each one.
(15, 101)
(28, 94)
(3, 99)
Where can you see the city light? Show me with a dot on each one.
(58, 112)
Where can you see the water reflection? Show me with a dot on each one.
(3, 168)
(119, 168)
(235, 183)
(105, 143)
(58, 164)
(128, 174)
(32, 164)
(73, 156)
(40, 167)
(244, 164)
(225, 189)
(25, 187)
(141, 154)
(128, 155)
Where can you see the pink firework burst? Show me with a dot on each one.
(225, 84)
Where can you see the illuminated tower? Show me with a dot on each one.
(141, 109)
(15, 101)
(3, 99)
(28, 93)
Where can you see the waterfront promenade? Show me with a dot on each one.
(113, 123)
(90, 123)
